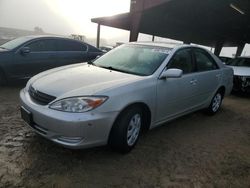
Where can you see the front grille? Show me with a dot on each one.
(39, 97)
(241, 83)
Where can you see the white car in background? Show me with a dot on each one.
(135, 87)
(241, 67)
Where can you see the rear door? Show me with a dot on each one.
(70, 51)
(208, 75)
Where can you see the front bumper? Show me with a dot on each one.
(241, 83)
(72, 130)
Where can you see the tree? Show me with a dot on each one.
(38, 30)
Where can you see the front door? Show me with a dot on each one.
(40, 58)
(177, 95)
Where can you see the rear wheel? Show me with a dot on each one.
(126, 130)
(215, 103)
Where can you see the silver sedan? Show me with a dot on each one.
(135, 87)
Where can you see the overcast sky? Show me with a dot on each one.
(66, 17)
(60, 16)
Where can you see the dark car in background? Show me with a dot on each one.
(24, 57)
(241, 67)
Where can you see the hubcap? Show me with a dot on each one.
(133, 129)
(216, 102)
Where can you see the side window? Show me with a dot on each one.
(204, 61)
(42, 45)
(182, 60)
(68, 45)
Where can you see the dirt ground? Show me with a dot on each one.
(193, 151)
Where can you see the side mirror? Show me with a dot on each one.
(25, 50)
(171, 73)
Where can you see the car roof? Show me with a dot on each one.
(167, 45)
(157, 44)
(31, 37)
(45, 36)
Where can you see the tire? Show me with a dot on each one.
(126, 130)
(215, 104)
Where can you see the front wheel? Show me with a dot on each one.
(215, 103)
(126, 130)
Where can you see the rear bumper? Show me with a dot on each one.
(72, 130)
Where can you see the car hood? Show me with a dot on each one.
(241, 71)
(80, 80)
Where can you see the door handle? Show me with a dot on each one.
(193, 82)
(218, 75)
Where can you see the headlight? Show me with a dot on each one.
(243, 78)
(78, 104)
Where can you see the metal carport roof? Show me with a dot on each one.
(214, 23)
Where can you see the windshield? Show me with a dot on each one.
(134, 59)
(14, 43)
(240, 62)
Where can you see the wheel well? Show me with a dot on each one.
(222, 89)
(146, 114)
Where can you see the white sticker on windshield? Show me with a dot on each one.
(160, 50)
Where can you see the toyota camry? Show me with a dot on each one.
(135, 87)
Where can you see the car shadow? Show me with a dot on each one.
(241, 94)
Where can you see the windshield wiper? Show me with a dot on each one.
(114, 69)
(119, 70)
(91, 63)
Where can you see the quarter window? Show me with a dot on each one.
(182, 60)
(204, 61)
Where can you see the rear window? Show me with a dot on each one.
(93, 49)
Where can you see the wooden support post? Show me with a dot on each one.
(98, 35)
(240, 49)
(134, 27)
(218, 47)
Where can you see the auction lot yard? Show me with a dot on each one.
(193, 151)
